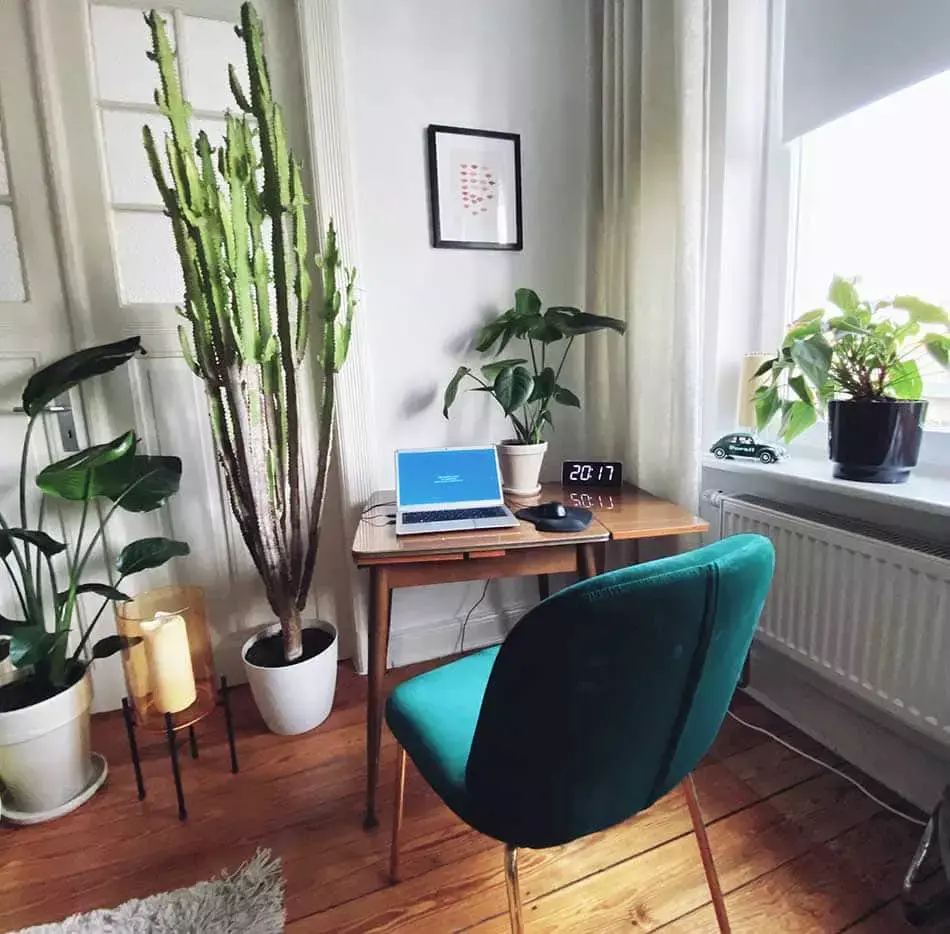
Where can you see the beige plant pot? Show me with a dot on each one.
(521, 467)
(45, 760)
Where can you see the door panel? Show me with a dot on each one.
(95, 52)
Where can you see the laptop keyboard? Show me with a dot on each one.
(450, 515)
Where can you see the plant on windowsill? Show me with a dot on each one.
(238, 212)
(45, 761)
(860, 361)
(526, 392)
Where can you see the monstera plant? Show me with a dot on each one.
(527, 387)
(48, 690)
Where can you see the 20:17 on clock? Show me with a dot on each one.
(592, 473)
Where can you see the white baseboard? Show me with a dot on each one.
(422, 643)
(913, 765)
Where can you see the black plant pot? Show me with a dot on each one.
(877, 442)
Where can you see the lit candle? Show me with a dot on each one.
(170, 675)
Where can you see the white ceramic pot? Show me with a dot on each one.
(296, 698)
(45, 760)
(521, 467)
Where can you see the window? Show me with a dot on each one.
(873, 201)
(12, 287)
(148, 268)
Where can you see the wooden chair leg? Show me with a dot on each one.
(514, 892)
(397, 815)
(712, 877)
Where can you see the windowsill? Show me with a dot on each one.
(926, 491)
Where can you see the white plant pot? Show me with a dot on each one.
(45, 760)
(296, 698)
(521, 467)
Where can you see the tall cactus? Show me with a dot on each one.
(238, 213)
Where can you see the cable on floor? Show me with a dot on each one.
(460, 645)
(830, 768)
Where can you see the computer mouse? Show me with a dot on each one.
(550, 510)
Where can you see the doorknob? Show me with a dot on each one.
(67, 424)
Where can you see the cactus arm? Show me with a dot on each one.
(302, 285)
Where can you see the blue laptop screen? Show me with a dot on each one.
(427, 478)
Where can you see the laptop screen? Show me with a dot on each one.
(457, 475)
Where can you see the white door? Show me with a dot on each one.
(34, 325)
(101, 87)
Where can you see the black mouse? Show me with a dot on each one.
(550, 510)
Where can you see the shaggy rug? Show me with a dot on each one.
(250, 901)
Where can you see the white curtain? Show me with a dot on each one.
(643, 391)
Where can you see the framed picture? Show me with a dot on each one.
(475, 189)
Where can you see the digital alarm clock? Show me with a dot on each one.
(607, 474)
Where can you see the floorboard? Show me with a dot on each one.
(798, 848)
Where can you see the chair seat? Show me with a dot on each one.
(434, 716)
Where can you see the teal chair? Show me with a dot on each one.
(601, 700)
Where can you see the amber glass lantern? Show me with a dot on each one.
(168, 666)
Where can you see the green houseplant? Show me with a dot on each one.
(239, 215)
(860, 361)
(527, 388)
(45, 760)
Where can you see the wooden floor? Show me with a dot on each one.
(798, 849)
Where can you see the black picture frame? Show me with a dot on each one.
(439, 240)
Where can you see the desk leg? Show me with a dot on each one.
(544, 586)
(379, 620)
(586, 561)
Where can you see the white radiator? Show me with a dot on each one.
(865, 608)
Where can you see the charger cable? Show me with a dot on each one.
(830, 768)
(460, 645)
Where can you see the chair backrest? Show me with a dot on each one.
(606, 695)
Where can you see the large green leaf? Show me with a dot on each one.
(938, 346)
(573, 321)
(797, 416)
(30, 645)
(920, 311)
(564, 396)
(905, 381)
(102, 590)
(488, 335)
(527, 303)
(813, 356)
(843, 294)
(40, 540)
(53, 380)
(97, 455)
(141, 482)
(848, 324)
(800, 388)
(147, 553)
(452, 390)
(491, 370)
(544, 385)
(513, 387)
(767, 403)
(111, 645)
(545, 332)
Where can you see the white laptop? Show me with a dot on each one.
(449, 490)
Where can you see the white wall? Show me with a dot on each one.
(510, 65)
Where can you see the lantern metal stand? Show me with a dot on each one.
(169, 674)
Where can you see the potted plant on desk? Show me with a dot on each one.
(527, 387)
(860, 361)
(46, 767)
(239, 216)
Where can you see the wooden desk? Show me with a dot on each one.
(442, 558)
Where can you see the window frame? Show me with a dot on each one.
(782, 167)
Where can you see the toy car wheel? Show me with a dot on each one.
(720, 452)
(767, 457)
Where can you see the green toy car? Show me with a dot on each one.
(742, 444)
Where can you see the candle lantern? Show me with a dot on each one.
(168, 665)
(169, 673)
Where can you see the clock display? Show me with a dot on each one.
(592, 473)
